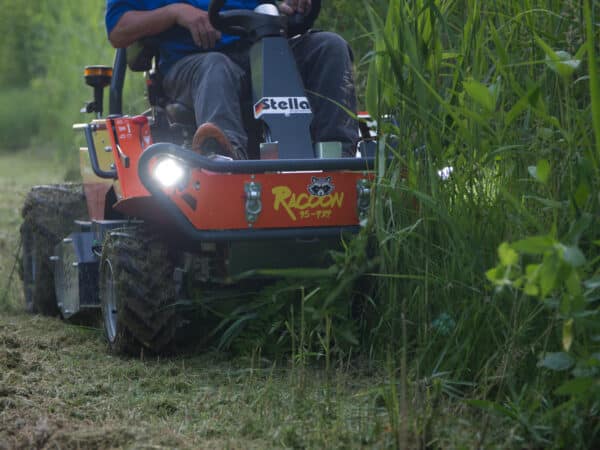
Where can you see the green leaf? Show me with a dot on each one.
(575, 387)
(592, 283)
(582, 194)
(573, 283)
(559, 361)
(494, 274)
(499, 45)
(541, 172)
(522, 105)
(508, 257)
(567, 335)
(578, 227)
(532, 271)
(549, 273)
(560, 61)
(553, 204)
(372, 92)
(578, 305)
(481, 94)
(531, 289)
(564, 64)
(566, 303)
(536, 245)
(573, 256)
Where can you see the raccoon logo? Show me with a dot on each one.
(321, 186)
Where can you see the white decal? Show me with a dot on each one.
(281, 105)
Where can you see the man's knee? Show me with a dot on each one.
(216, 67)
(331, 44)
(332, 40)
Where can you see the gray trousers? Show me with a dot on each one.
(217, 83)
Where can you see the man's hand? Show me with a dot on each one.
(198, 24)
(290, 7)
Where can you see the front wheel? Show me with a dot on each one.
(137, 293)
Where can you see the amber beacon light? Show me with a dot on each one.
(97, 77)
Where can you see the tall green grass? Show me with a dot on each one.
(502, 93)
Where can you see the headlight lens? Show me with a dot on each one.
(170, 172)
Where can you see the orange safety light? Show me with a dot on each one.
(97, 77)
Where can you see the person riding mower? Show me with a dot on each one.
(159, 224)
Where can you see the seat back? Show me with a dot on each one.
(142, 54)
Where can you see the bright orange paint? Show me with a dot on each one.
(215, 201)
(286, 201)
(129, 137)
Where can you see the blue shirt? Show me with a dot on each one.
(176, 42)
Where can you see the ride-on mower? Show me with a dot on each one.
(155, 222)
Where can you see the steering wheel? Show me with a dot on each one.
(242, 22)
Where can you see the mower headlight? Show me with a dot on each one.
(170, 172)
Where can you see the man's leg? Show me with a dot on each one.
(325, 62)
(212, 83)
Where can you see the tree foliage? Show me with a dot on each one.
(46, 44)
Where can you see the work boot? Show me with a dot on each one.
(211, 142)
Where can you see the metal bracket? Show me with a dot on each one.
(89, 129)
(253, 201)
(363, 198)
(123, 156)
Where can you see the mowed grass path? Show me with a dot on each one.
(59, 388)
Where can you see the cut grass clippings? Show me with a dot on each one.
(59, 387)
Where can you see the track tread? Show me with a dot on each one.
(145, 291)
(49, 213)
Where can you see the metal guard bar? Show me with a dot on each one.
(196, 160)
(89, 137)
